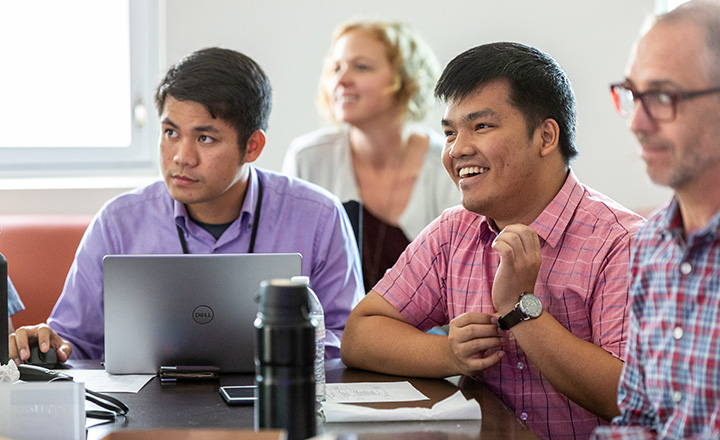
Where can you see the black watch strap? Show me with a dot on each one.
(509, 320)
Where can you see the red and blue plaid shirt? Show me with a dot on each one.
(585, 237)
(671, 380)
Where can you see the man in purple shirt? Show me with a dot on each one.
(213, 107)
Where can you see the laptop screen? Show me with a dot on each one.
(185, 310)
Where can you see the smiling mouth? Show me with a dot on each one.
(344, 99)
(472, 171)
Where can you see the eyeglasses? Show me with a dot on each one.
(660, 106)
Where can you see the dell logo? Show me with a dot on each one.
(203, 314)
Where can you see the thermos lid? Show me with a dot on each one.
(284, 299)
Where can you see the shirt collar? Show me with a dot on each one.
(251, 195)
(555, 218)
(182, 218)
(670, 219)
(671, 223)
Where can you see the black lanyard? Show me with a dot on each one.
(256, 222)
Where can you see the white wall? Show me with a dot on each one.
(289, 38)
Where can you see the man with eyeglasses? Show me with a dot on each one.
(670, 385)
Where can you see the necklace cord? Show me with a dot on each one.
(253, 235)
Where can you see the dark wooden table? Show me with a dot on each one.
(198, 405)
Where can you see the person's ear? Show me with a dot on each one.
(549, 136)
(254, 146)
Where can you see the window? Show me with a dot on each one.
(76, 87)
(662, 6)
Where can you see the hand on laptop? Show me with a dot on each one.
(42, 335)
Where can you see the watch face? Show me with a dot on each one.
(531, 305)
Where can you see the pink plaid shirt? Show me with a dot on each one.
(585, 237)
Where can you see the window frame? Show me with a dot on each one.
(140, 157)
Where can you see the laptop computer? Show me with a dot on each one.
(185, 310)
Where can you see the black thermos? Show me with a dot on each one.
(284, 360)
(3, 310)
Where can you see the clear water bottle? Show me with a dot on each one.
(316, 313)
(284, 360)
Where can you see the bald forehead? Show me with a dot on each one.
(673, 52)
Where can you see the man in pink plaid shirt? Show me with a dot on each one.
(530, 273)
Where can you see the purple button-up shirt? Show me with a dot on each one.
(295, 217)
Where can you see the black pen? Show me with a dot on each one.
(172, 373)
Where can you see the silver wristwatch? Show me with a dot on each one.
(529, 307)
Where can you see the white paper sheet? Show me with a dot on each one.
(455, 407)
(9, 373)
(102, 382)
(372, 392)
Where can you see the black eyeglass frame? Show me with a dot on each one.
(675, 97)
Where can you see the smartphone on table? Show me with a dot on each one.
(239, 395)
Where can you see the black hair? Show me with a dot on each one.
(539, 87)
(230, 85)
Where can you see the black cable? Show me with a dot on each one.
(113, 408)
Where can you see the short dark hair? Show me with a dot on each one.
(539, 87)
(230, 85)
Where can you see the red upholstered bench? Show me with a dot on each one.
(39, 250)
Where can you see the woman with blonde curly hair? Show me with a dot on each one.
(377, 84)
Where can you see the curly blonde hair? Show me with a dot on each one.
(414, 65)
